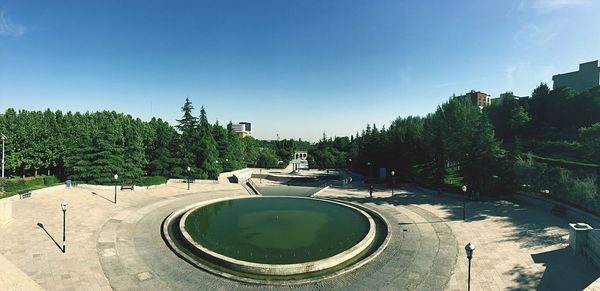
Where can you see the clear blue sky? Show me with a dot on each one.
(296, 68)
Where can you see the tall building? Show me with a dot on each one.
(478, 98)
(587, 77)
(243, 129)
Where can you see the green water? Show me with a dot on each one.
(303, 191)
(277, 230)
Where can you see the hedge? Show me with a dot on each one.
(151, 180)
(30, 183)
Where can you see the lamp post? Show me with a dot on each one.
(393, 173)
(116, 177)
(464, 189)
(188, 180)
(369, 165)
(469, 248)
(63, 205)
(3, 137)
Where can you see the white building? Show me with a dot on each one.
(243, 129)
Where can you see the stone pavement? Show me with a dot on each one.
(120, 247)
(517, 247)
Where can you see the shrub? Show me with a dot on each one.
(584, 191)
(29, 183)
(151, 180)
(51, 180)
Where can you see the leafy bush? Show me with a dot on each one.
(29, 183)
(151, 180)
(51, 180)
(584, 191)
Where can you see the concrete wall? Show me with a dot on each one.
(572, 213)
(5, 211)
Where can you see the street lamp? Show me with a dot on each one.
(63, 205)
(393, 173)
(464, 188)
(188, 178)
(370, 172)
(116, 177)
(3, 137)
(469, 248)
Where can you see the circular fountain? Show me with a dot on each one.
(274, 237)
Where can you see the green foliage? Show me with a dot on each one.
(151, 180)
(267, 159)
(93, 147)
(12, 186)
(590, 141)
(566, 163)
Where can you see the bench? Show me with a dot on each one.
(559, 210)
(24, 194)
(127, 187)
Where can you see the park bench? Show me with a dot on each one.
(24, 194)
(127, 186)
(559, 210)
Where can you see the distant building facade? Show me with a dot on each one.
(478, 98)
(302, 155)
(243, 129)
(521, 100)
(588, 76)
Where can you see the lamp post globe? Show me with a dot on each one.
(469, 248)
(464, 188)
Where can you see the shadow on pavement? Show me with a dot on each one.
(111, 201)
(40, 225)
(533, 227)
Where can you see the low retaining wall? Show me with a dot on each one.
(5, 211)
(224, 177)
(572, 213)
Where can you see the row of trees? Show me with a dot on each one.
(456, 138)
(92, 147)
(560, 115)
(459, 143)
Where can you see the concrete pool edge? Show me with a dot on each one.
(192, 260)
(282, 269)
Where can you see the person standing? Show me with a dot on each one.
(371, 191)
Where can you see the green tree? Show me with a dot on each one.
(188, 126)
(590, 141)
(207, 154)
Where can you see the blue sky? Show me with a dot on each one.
(293, 68)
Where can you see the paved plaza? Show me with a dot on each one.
(119, 246)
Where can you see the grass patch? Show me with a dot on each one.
(574, 165)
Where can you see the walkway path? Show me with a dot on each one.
(119, 246)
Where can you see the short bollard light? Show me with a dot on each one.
(464, 189)
(63, 205)
(393, 173)
(469, 248)
(116, 178)
(188, 180)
